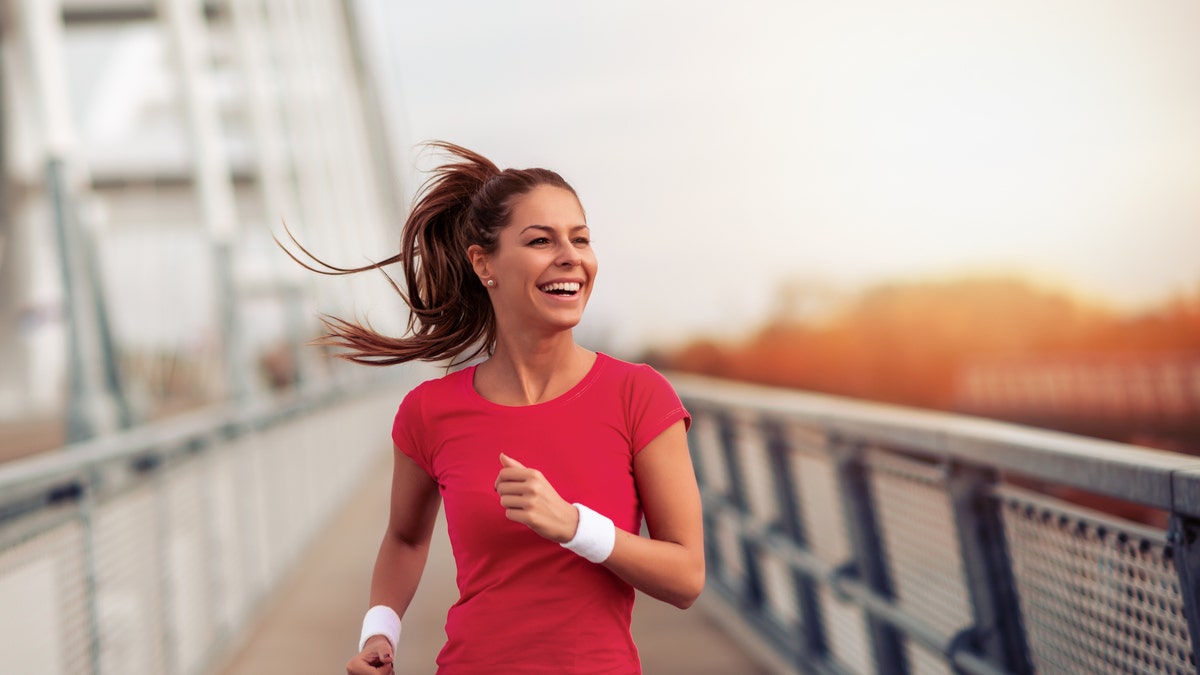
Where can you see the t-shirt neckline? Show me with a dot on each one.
(468, 382)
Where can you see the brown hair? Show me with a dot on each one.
(464, 202)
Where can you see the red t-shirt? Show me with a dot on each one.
(527, 605)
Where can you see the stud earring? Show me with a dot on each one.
(491, 282)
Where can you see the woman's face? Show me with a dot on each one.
(543, 264)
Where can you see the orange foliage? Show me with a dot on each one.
(904, 343)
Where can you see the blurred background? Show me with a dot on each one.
(984, 207)
(988, 208)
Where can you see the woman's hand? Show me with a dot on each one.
(374, 659)
(528, 498)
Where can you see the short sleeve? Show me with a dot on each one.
(653, 406)
(408, 430)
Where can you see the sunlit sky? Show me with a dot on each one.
(724, 149)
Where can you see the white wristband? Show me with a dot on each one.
(380, 620)
(594, 538)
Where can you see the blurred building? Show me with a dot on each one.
(151, 149)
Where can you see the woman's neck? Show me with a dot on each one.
(528, 372)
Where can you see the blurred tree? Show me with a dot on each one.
(906, 342)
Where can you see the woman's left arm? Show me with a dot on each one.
(670, 564)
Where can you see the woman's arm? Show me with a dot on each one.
(415, 501)
(670, 564)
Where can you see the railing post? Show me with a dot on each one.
(712, 554)
(1184, 535)
(812, 639)
(87, 520)
(751, 593)
(162, 534)
(986, 568)
(863, 535)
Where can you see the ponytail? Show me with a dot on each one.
(465, 202)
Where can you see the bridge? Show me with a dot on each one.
(841, 537)
(185, 490)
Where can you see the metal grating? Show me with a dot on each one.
(232, 588)
(1098, 595)
(760, 495)
(824, 525)
(190, 577)
(925, 662)
(705, 438)
(757, 483)
(779, 590)
(732, 569)
(917, 531)
(45, 613)
(150, 570)
(128, 534)
(846, 633)
(820, 507)
(255, 531)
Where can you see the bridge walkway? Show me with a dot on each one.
(311, 623)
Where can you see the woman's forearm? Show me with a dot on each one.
(661, 569)
(669, 564)
(398, 569)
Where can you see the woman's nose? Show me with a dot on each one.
(570, 257)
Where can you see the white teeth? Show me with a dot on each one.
(569, 286)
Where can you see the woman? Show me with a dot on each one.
(546, 455)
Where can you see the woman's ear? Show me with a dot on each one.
(479, 261)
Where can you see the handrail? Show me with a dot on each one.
(221, 417)
(863, 537)
(57, 472)
(147, 551)
(1156, 478)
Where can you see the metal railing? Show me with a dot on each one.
(145, 553)
(862, 538)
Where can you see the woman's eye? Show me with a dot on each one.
(539, 241)
(582, 241)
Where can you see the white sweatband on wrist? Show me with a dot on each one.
(594, 537)
(380, 620)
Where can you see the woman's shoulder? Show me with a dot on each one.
(630, 372)
(441, 388)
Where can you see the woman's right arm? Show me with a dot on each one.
(415, 501)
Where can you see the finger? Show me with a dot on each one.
(515, 497)
(517, 516)
(510, 463)
(513, 475)
(368, 663)
(379, 658)
(509, 483)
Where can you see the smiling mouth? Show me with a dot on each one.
(561, 288)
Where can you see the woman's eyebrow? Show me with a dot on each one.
(547, 228)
